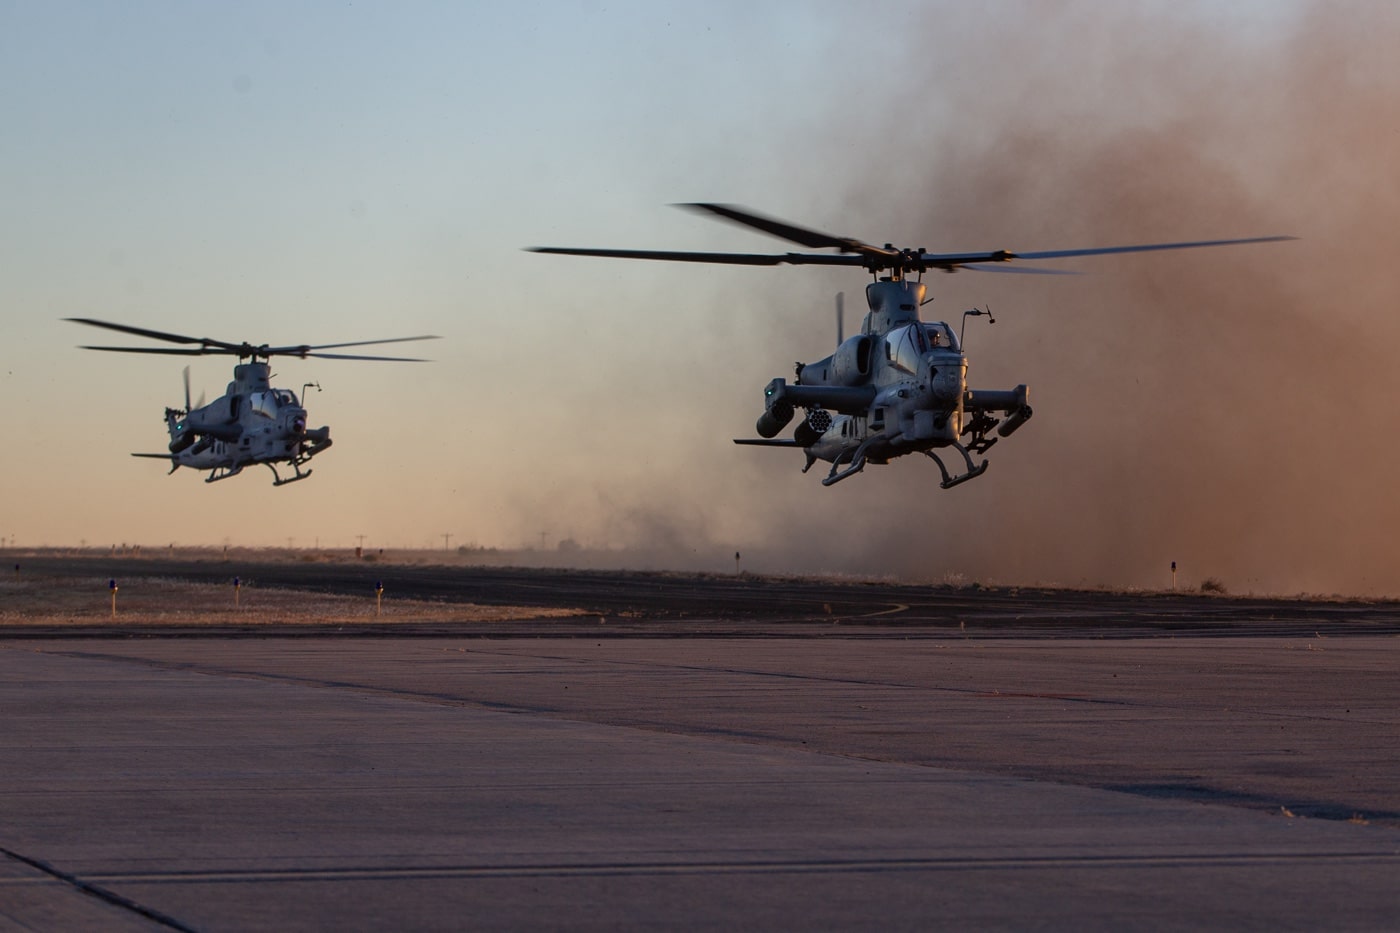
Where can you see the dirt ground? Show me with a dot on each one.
(157, 601)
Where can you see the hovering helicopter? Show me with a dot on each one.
(253, 422)
(900, 386)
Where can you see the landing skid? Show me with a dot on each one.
(949, 481)
(277, 479)
(856, 460)
(219, 473)
(224, 472)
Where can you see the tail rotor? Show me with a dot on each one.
(180, 435)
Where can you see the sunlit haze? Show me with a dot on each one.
(318, 173)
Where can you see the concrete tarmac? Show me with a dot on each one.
(705, 772)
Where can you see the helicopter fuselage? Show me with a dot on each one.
(253, 422)
(898, 387)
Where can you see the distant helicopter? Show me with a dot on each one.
(900, 386)
(252, 422)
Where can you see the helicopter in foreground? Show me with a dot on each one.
(899, 386)
(252, 422)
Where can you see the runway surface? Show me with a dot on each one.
(707, 753)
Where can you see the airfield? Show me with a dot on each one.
(492, 748)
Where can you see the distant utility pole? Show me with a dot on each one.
(543, 535)
(361, 539)
(447, 541)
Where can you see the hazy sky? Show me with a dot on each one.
(318, 172)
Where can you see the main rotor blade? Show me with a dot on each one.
(208, 346)
(1018, 270)
(814, 239)
(1144, 248)
(853, 252)
(165, 351)
(345, 356)
(302, 349)
(734, 259)
(152, 334)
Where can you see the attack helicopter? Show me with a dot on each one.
(252, 422)
(899, 386)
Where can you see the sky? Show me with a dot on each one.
(327, 172)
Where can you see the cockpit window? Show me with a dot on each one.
(905, 346)
(941, 336)
(263, 403)
(270, 402)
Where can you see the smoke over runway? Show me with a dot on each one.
(1230, 409)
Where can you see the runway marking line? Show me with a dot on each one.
(773, 866)
(97, 891)
(898, 607)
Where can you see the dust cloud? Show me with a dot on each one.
(1228, 409)
(1231, 409)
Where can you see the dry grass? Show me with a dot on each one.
(163, 601)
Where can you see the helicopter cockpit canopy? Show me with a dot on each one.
(905, 346)
(941, 336)
(270, 402)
